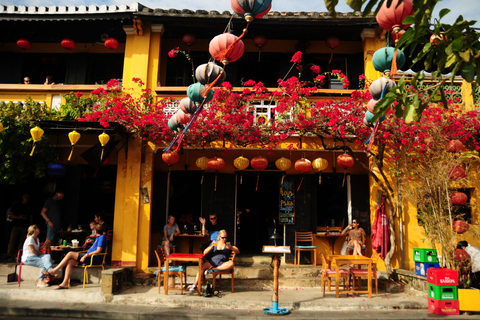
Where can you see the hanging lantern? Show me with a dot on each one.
(302, 165)
(111, 43)
(182, 117)
(456, 173)
(345, 161)
(461, 255)
(332, 42)
(187, 105)
(320, 164)
(250, 9)
(371, 105)
(391, 18)
(68, 44)
(208, 72)
(173, 123)
(460, 226)
(259, 163)
(226, 48)
(216, 163)
(454, 146)
(383, 60)
(103, 138)
(37, 134)
(56, 169)
(189, 39)
(458, 198)
(194, 92)
(377, 87)
(260, 41)
(241, 163)
(170, 157)
(202, 163)
(283, 164)
(73, 136)
(24, 44)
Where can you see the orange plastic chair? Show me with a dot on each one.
(328, 274)
(304, 238)
(220, 272)
(172, 271)
(359, 273)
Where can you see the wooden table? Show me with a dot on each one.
(184, 257)
(190, 238)
(339, 260)
(332, 238)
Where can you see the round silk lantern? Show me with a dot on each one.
(189, 39)
(345, 161)
(320, 164)
(469, 156)
(371, 105)
(36, 134)
(332, 42)
(182, 117)
(259, 163)
(216, 163)
(460, 226)
(259, 41)
(369, 116)
(68, 44)
(303, 165)
(111, 43)
(56, 169)
(241, 163)
(461, 255)
(250, 9)
(454, 146)
(377, 86)
(170, 157)
(173, 123)
(103, 138)
(391, 18)
(283, 164)
(187, 105)
(194, 92)
(457, 173)
(383, 58)
(207, 72)
(24, 44)
(226, 48)
(202, 163)
(366, 122)
(459, 198)
(73, 136)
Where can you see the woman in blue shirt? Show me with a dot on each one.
(74, 258)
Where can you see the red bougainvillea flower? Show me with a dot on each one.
(173, 53)
(297, 57)
(315, 69)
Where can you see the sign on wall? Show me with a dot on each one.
(287, 201)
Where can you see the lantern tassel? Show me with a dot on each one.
(201, 181)
(33, 150)
(71, 152)
(215, 182)
(241, 178)
(300, 184)
(344, 174)
(101, 156)
(319, 178)
(206, 89)
(259, 52)
(393, 69)
(168, 179)
(258, 178)
(283, 177)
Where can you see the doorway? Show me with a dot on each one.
(256, 209)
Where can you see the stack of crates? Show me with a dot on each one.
(424, 260)
(442, 291)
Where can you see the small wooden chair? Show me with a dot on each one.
(305, 238)
(220, 272)
(328, 274)
(359, 273)
(172, 270)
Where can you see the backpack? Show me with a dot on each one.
(207, 291)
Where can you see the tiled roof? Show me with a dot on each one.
(40, 10)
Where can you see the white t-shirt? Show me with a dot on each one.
(474, 253)
(26, 250)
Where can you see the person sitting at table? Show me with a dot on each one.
(170, 230)
(32, 256)
(100, 219)
(356, 236)
(74, 258)
(212, 229)
(219, 260)
(90, 238)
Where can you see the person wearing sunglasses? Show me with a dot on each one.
(356, 236)
(211, 228)
(219, 252)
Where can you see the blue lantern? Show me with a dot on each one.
(250, 9)
(194, 92)
(382, 59)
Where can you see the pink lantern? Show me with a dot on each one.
(24, 44)
(111, 43)
(454, 146)
(459, 198)
(182, 117)
(226, 48)
(391, 18)
(371, 105)
(187, 105)
(68, 44)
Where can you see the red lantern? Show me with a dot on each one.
(260, 41)
(216, 163)
(189, 39)
(460, 226)
(391, 18)
(170, 157)
(68, 44)
(111, 43)
(457, 173)
(24, 44)
(345, 161)
(459, 198)
(303, 165)
(226, 48)
(332, 42)
(454, 146)
(259, 163)
(461, 255)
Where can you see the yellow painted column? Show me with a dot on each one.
(371, 43)
(467, 95)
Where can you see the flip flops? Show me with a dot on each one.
(60, 288)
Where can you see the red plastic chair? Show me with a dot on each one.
(20, 263)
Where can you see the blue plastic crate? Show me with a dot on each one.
(422, 267)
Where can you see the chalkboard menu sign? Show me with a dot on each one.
(287, 201)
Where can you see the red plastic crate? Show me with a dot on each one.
(447, 307)
(442, 277)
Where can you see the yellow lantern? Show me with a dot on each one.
(241, 163)
(103, 138)
(320, 164)
(37, 134)
(73, 136)
(202, 163)
(1, 127)
(283, 164)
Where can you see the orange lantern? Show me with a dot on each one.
(460, 226)
(259, 163)
(283, 164)
(459, 198)
(170, 157)
(345, 161)
(454, 146)
(303, 165)
(216, 163)
(111, 43)
(457, 173)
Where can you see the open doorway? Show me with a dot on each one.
(256, 209)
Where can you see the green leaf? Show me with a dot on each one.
(443, 13)
(457, 44)
(468, 72)
(368, 8)
(331, 4)
(355, 4)
(448, 49)
(451, 59)
(409, 20)
(466, 55)
(399, 109)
